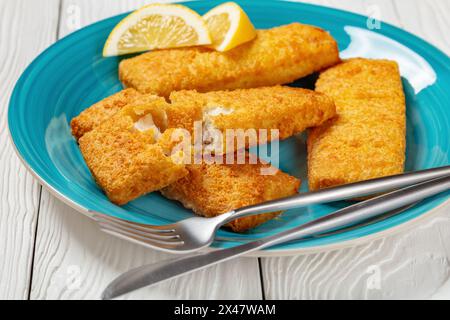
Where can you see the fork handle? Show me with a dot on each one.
(152, 274)
(348, 191)
(364, 210)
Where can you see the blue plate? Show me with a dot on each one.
(72, 74)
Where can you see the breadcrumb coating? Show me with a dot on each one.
(367, 137)
(128, 162)
(290, 110)
(210, 190)
(277, 56)
(101, 111)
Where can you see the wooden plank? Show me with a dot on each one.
(410, 265)
(413, 264)
(23, 35)
(427, 19)
(74, 260)
(83, 12)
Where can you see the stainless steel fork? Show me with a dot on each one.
(196, 233)
(155, 273)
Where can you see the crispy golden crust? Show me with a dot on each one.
(367, 137)
(126, 162)
(210, 190)
(99, 112)
(290, 110)
(277, 56)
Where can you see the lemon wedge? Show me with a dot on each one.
(229, 26)
(157, 26)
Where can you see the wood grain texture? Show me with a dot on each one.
(75, 260)
(23, 35)
(410, 265)
(78, 13)
(427, 19)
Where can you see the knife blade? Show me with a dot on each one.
(154, 273)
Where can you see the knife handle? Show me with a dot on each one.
(152, 274)
(363, 210)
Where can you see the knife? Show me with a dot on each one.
(154, 273)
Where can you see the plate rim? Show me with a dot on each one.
(279, 252)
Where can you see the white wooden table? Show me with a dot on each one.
(49, 251)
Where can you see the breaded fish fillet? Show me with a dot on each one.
(277, 56)
(290, 110)
(124, 157)
(99, 112)
(210, 190)
(367, 138)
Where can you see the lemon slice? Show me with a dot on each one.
(157, 26)
(229, 26)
